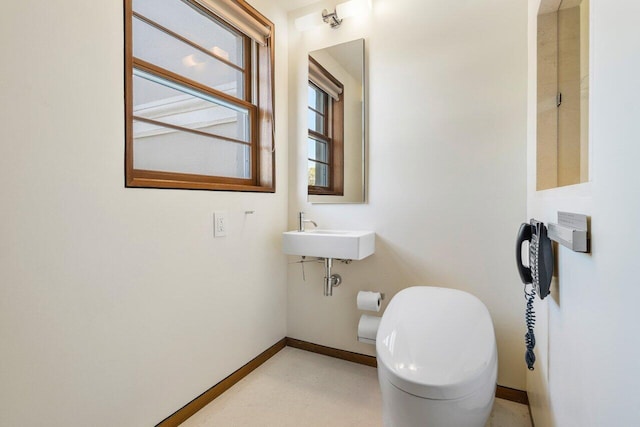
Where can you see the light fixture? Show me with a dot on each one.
(331, 18)
(343, 10)
(353, 8)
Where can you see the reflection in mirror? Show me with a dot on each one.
(335, 121)
(563, 93)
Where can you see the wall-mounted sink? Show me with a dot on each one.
(338, 244)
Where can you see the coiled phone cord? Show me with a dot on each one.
(530, 318)
(530, 315)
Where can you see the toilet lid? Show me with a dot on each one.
(436, 343)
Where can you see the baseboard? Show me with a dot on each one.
(208, 396)
(350, 356)
(512, 394)
(502, 392)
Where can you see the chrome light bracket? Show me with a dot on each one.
(331, 18)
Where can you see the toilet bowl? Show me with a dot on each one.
(437, 359)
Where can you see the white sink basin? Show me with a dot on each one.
(339, 244)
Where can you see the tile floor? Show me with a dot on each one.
(298, 388)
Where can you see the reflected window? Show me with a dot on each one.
(325, 141)
(199, 96)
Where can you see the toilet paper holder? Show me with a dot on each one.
(368, 324)
(368, 329)
(369, 300)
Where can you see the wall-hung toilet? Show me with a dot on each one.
(437, 359)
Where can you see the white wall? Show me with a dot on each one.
(587, 334)
(117, 306)
(446, 192)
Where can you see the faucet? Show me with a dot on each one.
(301, 221)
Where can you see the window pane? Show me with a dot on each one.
(169, 150)
(195, 26)
(318, 150)
(165, 51)
(318, 174)
(317, 99)
(164, 101)
(316, 122)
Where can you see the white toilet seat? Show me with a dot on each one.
(437, 343)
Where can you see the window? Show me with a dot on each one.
(199, 95)
(326, 132)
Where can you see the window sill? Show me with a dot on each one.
(183, 185)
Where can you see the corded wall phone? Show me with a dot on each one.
(538, 274)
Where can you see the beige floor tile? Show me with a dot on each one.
(509, 414)
(298, 388)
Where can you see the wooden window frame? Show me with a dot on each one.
(333, 136)
(258, 99)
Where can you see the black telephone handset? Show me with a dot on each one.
(538, 274)
(524, 234)
(540, 270)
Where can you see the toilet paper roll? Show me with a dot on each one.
(368, 328)
(369, 300)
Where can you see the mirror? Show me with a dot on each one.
(563, 93)
(336, 127)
